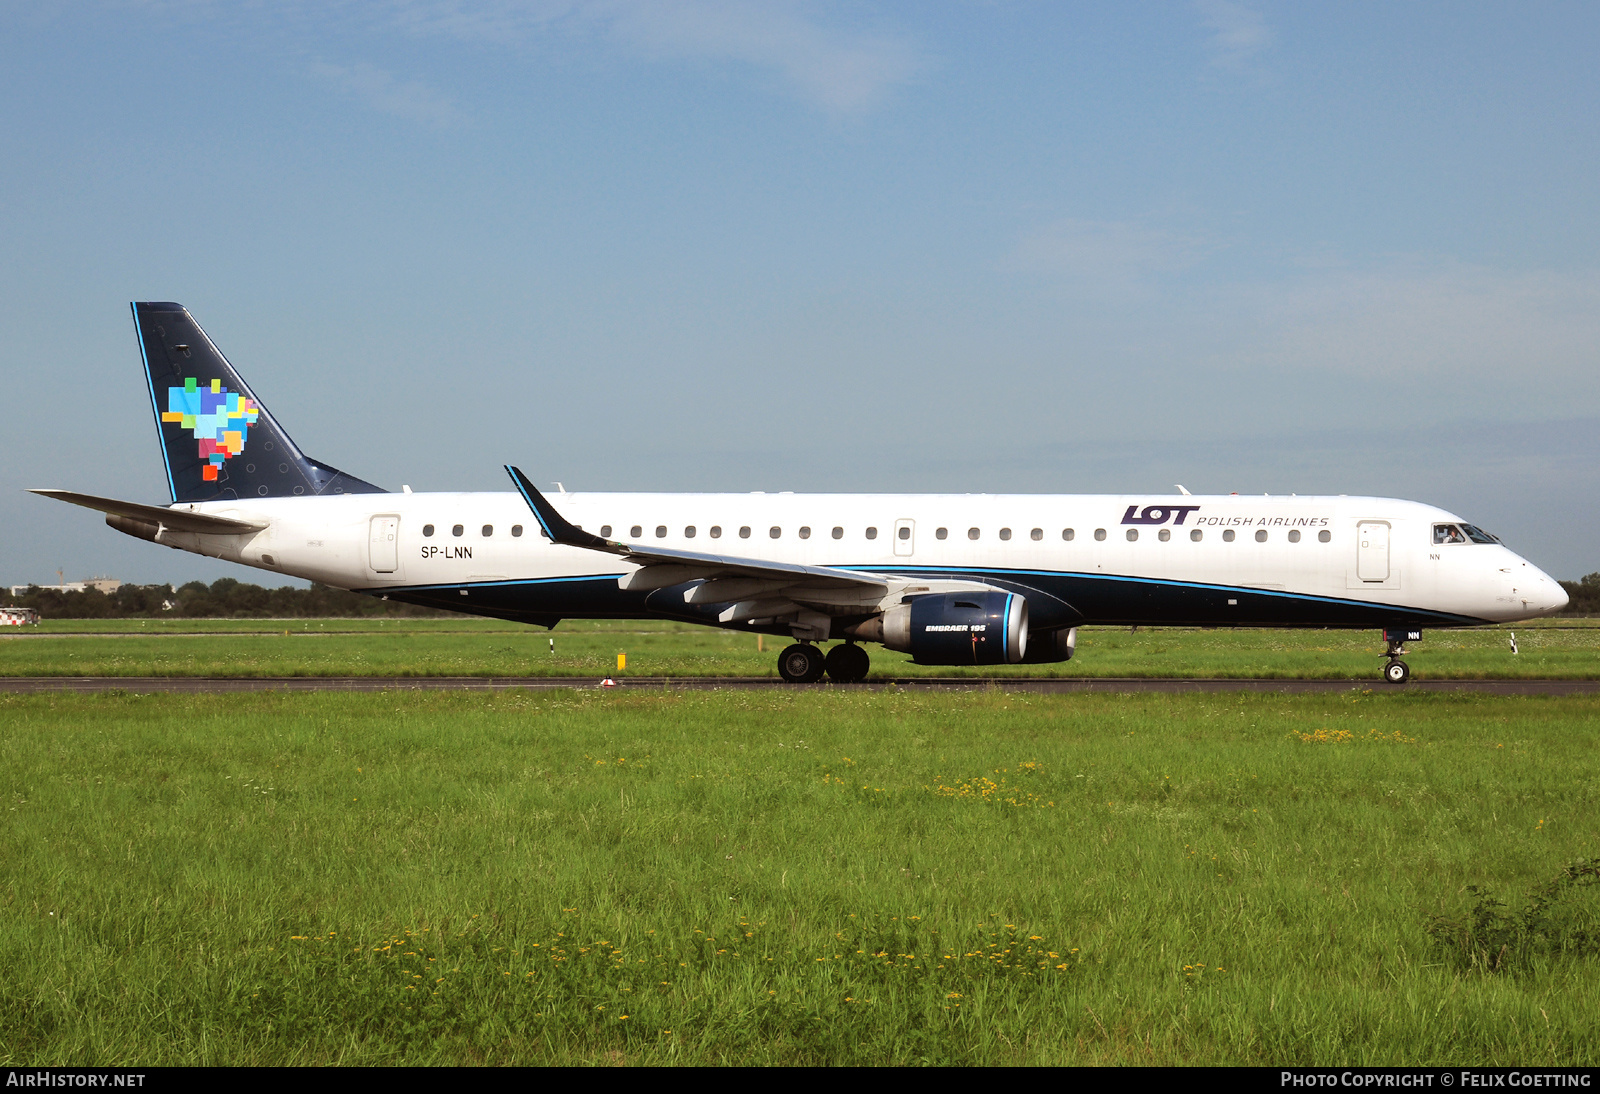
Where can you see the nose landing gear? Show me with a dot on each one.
(1397, 671)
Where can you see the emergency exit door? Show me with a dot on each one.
(905, 543)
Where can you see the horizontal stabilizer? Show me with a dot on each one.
(176, 520)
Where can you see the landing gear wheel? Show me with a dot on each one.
(1396, 672)
(847, 664)
(800, 664)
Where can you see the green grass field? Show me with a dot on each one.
(800, 876)
(471, 647)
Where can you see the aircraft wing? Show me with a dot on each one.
(176, 520)
(726, 574)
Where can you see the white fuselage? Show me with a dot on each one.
(1308, 551)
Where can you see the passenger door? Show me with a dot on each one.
(383, 544)
(1372, 550)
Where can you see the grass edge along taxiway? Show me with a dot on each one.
(793, 877)
(431, 649)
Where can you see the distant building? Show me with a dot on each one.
(107, 585)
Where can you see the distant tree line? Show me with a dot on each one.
(1583, 597)
(222, 599)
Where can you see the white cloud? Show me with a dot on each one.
(838, 68)
(1508, 340)
(1237, 32)
(407, 99)
(1379, 339)
(1108, 253)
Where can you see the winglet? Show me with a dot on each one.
(556, 527)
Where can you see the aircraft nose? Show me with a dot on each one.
(1561, 599)
(1548, 595)
(1538, 592)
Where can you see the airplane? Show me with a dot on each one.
(951, 579)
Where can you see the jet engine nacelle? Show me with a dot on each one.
(969, 628)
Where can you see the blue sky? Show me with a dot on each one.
(734, 245)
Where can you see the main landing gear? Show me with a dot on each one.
(847, 664)
(803, 663)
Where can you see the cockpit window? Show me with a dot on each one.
(1461, 533)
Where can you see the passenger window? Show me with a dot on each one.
(605, 531)
(1324, 536)
(716, 531)
(1133, 534)
(1036, 534)
(1164, 535)
(1068, 534)
(1227, 536)
(744, 532)
(1005, 533)
(488, 530)
(516, 530)
(427, 529)
(774, 532)
(905, 533)
(941, 533)
(1099, 533)
(1261, 535)
(872, 533)
(457, 530)
(688, 533)
(661, 531)
(838, 533)
(1294, 535)
(973, 533)
(635, 532)
(805, 532)
(1196, 535)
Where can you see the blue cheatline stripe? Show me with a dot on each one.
(1008, 575)
(998, 574)
(155, 408)
(492, 584)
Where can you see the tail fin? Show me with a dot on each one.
(218, 440)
